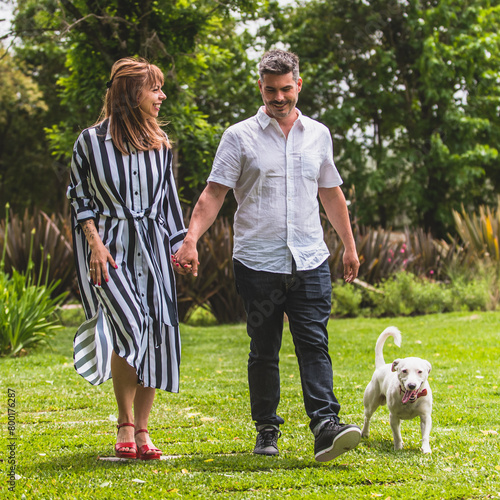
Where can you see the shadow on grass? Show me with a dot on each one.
(86, 462)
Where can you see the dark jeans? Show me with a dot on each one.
(305, 296)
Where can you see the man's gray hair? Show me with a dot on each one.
(279, 62)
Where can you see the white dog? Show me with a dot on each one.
(403, 386)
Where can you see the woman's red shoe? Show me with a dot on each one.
(132, 453)
(145, 448)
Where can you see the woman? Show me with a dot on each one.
(127, 223)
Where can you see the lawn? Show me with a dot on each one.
(63, 425)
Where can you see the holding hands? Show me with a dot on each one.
(185, 260)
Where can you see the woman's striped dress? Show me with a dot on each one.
(134, 203)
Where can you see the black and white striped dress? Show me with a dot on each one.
(134, 203)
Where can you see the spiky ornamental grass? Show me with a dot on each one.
(27, 304)
(63, 424)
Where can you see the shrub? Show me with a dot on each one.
(405, 294)
(426, 256)
(346, 300)
(379, 255)
(27, 308)
(27, 312)
(474, 295)
(382, 253)
(43, 239)
(480, 231)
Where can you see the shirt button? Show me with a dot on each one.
(139, 275)
(135, 173)
(136, 192)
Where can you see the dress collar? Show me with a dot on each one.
(103, 131)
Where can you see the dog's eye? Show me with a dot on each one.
(419, 372)
(404, 371)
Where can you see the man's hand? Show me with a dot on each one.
(185, 260)
(351, 266)
(204, 214)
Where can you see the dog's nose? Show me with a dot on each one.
(412, 386)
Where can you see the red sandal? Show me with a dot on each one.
(118, 446)
(143, 450)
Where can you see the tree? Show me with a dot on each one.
(28, 176)
(410, 92)
(181, 37)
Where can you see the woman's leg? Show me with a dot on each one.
(129, 393)
(125, 387)
(143, 403)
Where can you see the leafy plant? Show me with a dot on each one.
(379, 255)
(27, 306)
(430, 257)
(480, 231)
(38, 240)
(405, 294)
(346, 300)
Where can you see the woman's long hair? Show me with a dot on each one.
(129, 77)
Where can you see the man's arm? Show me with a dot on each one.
(333, 201)
(204, 215)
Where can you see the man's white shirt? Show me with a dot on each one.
(275, 182)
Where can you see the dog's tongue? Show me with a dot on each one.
(408, 395)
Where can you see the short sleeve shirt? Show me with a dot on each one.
(275, 181)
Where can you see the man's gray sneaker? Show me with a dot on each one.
(267, 441)
(333, 439)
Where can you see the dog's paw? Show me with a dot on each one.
(426, 450)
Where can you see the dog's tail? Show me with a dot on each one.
(390, 331)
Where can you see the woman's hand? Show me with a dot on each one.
(99, 256)
(181, 269)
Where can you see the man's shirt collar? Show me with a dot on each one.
(264, 119)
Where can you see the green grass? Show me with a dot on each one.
(63, 424)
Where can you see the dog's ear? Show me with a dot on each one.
(395, 364)
(429, 367)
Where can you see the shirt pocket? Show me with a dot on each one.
(310, 165)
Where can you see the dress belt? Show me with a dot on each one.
(165, 300)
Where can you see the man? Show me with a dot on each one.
(277, 162)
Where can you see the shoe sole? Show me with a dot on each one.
(343, 442)
(267, 453)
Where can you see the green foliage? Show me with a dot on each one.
(410, 93)
(207, 433)
(383, 253)
(27, 310)
(480, 232)
(409, 90)
(346, 300)
(405, 294)
(28, 175)
(39, 242)
(194, 43)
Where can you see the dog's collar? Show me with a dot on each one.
(419, 394)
